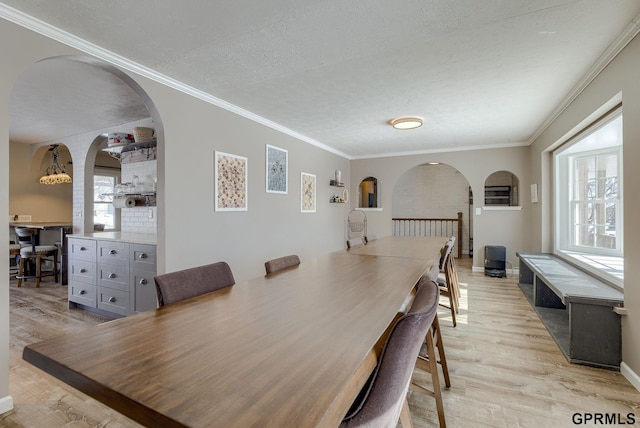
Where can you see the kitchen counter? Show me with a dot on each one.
(128, 237)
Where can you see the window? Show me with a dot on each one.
(103, 212)
(588, 184)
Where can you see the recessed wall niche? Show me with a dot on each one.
(368, 193)
(501, 189)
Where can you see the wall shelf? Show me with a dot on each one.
(497, 195)
(140, 151)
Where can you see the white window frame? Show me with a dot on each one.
(108, 173)
(606, 264)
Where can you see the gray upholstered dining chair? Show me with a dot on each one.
(276, 265)
(383, 399)
(355, 242)
(27, 239)
(448, 280)
(183, 284)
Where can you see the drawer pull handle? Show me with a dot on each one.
(83, 270)
(112, 299)
(83, 249)
(143, 256)
(112, 252)
(82, 292)
(143, 281)
(112, 275)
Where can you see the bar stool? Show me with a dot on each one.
(38, 253)
(14, 251)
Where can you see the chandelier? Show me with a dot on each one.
(56, 173)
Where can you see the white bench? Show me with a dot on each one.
(576, 308)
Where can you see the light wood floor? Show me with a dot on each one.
(506, 370)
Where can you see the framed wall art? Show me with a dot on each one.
(277, 167)
(307, 193)
(231, 182)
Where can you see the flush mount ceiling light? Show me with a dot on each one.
(406, 122)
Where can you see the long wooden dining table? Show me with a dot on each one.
(289, 349)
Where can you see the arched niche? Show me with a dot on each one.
(368, 193)
(501, 188)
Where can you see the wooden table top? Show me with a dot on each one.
(420, 247)
(291, 349)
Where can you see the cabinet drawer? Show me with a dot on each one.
(82, 293)
(83, 271)
(82, 249)
(116, 301)
(113, 252)
(113, 276)
(143, 257)
(143, 293)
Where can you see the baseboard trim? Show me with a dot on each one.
(630, 375)
(6, 404)
(510, 271)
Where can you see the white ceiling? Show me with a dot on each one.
(481, 73)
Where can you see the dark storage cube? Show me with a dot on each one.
(495, 259)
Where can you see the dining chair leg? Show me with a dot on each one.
(20, 271)
(38, 270)
(55, 266)
(431, 365)
(452, 306)
(405, 415)
(440, 345)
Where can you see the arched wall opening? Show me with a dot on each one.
(85, 147)
(502, 188)
(435, 191)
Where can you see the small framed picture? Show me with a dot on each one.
(307, 193)
(231, 182)
(277, 166)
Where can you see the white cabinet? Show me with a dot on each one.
(112, 276)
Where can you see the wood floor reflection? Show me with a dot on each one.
(506, 370)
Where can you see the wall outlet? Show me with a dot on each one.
(478, 211)
(150, 213)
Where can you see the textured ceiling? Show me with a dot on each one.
(481, 73)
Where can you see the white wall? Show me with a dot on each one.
(619, 81)
(190, 232)
(508, 227)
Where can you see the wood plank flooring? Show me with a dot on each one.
(506, 370)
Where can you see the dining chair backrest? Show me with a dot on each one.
(355, 242)
(27, 236)
(381, 400)
(281, 263)
(183, 284)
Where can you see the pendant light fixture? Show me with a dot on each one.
(55, 174)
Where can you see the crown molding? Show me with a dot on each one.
(47, 30)
(607, 56)
(431, 151)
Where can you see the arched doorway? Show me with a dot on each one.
(75, 99)
(435, 191)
